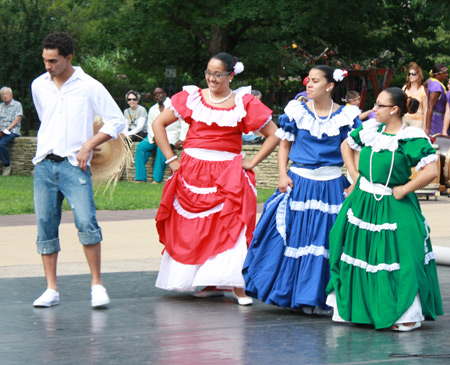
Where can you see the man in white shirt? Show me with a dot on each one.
(67, 101)
(176, 133)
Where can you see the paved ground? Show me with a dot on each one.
(146, 325)
(130, 241)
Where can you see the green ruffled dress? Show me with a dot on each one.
(380, 251)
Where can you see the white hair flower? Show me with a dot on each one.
(338, 74)
(238, 67)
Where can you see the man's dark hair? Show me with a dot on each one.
(60, 41)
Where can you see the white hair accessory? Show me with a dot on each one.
(338, 74)
(238, 67)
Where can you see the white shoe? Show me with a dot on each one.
(6, 171)
(49, 298)
(402, 328)
(242, 300)
(99, 296)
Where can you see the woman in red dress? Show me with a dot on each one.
(208, 208)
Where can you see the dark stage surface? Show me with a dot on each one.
(145, 325)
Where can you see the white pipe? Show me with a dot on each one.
(442, 255)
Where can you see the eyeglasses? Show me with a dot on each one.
(132, 99)
(216, 74)
(379, 106)
(412, 74)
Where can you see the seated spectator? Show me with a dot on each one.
(253, 137)
(10, 117)
(135, 116)
(176, 133)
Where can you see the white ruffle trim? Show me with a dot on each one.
(427, 228)
(369, 268)
(308, 250)
(353, 145)
(369, 226)
(222, 270)
(428, 257)
(197, 190)
(250, 183)
(265, 123)
(175, 112)
(426, 160)
(305, 119)
(208, 115)
(370, 136)
(283, 135)
(189, 215)
(315, 205)
(280, 215)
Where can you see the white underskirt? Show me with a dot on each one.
(223, 270)
(413, 313)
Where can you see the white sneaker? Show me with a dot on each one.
(7, 171)
(49, 298)
(99, 296)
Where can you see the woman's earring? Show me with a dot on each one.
(231, 80)
(392, 113)
(327, 90)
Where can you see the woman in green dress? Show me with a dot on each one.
(383, 270)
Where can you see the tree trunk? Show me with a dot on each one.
(218, 42)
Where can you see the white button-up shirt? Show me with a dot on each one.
(175, 131)
(67, 114)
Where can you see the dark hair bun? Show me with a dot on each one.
(412, 105)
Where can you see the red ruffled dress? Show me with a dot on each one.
(208, 209)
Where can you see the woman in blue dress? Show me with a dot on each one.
(287, 262)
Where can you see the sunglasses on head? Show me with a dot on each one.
(444, 70)
(131, 99)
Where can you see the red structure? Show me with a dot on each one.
(369, 77)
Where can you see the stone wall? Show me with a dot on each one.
(22, 151)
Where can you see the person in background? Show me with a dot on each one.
(437, 100)
(175, 134)
(67, 101)
(303, 95)
(353, 98)
(416, 90)
(208, 208)
(447, 113)
(10, 117)
(136, 116)
(254, 137)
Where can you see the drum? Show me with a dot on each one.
(443, 143)
(434, 185)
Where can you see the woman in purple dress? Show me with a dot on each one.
(437, 100)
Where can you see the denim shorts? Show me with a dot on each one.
(54, 181)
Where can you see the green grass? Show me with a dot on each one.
(16, 196)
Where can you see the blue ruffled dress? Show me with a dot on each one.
(287, 262)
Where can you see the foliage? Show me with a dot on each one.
(275, 40)
(16, 196)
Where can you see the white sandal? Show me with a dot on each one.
(402, 328)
